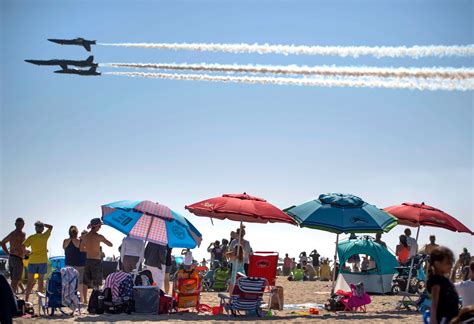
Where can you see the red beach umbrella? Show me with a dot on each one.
(417, 215)
(241, 208)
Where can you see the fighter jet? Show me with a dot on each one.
(77, 41)
(91, 71)
(64, 63)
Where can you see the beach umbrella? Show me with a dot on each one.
(240, 208)
(150, 221)
(417, 215)
(341, 213)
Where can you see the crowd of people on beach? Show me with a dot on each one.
(83, 252)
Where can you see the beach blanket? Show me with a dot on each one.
(69, 280)
(301, 306)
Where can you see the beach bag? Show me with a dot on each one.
(276, 300)
(165, 303)
(94, 306)
(20, 306)
(144, 278)
(359, 290)
(54, 290)
(334, 303)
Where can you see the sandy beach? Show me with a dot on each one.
(381, 310)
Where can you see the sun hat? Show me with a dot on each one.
(94, 223)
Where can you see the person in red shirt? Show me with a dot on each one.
(402, 250)
(287, 265)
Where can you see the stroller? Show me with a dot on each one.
(418, 278)
(61, 291)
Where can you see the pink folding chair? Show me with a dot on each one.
(356, 301)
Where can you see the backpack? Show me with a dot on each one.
(96, 307)
(54, 290)
(334, 303)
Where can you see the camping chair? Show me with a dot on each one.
(186, 289)
(247, 295)
(264, 265)
(357, 300)
(118, 292)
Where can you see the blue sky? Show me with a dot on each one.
(70, 143)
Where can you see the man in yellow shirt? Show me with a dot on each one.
(38, 261)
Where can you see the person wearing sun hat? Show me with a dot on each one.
(90, 244)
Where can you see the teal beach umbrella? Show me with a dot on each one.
(341, 213)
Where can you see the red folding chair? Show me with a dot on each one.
(264, 265)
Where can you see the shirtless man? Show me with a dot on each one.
(16, 252)
(91, 245)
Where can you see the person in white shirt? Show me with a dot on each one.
(412, 243)
(130, 253)
(465, 289)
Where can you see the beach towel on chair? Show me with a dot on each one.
(69, 279)
(121, 285)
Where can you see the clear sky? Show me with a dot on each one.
(70, 143)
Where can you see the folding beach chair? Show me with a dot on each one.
(264, 265)
(356, 300)
(186, 289)
(247, 295)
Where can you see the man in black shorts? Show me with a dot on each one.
(16, 253)
(90, 244)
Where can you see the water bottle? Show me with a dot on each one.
(426, 316)
(100, 304)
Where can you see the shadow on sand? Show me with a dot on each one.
(194, 317)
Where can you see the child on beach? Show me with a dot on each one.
(237, 260)
(445, 300)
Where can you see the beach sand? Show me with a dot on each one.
(381, 310)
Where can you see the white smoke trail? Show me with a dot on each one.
(344, 51)
(349, 71)
(330, 82)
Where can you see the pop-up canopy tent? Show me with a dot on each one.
(376, 280)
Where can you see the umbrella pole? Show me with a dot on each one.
(142, 254)
(334, 271)
(412, 261)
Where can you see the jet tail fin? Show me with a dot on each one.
(87, 46)
(90, 59)
(93, 69)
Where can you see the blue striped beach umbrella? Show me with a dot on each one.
(149, 221)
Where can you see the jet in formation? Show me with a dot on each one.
(77, 41)
(91, 71)
(64, 63)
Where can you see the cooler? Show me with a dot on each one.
(146, 299)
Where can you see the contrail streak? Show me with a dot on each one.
(370, 82)
(349, 71)
(344, 51)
